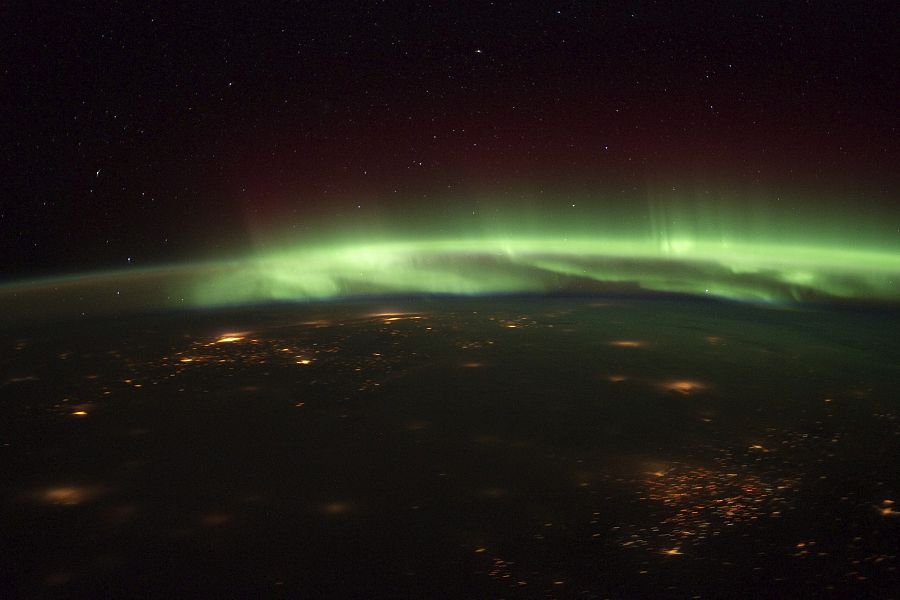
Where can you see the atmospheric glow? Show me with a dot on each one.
(745, 271)
(768, 258)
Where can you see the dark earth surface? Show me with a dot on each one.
(478, 448)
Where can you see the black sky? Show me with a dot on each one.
(136, 134)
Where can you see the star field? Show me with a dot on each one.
(173, 134)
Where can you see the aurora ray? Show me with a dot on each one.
(768, 260)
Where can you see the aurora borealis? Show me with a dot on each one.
(667, 248)
(450, 299)
(195, 157)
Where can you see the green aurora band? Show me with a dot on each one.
(752, 259)
(507, 265)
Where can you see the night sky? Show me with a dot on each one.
(138, 136)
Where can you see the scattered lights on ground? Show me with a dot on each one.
(69, 495)
(684, 386)
(672, 501)
(697, 503)
(230, 337)
(404, 318)
(627, 343)
(501, 569)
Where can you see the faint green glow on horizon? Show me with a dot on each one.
(754, 254)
